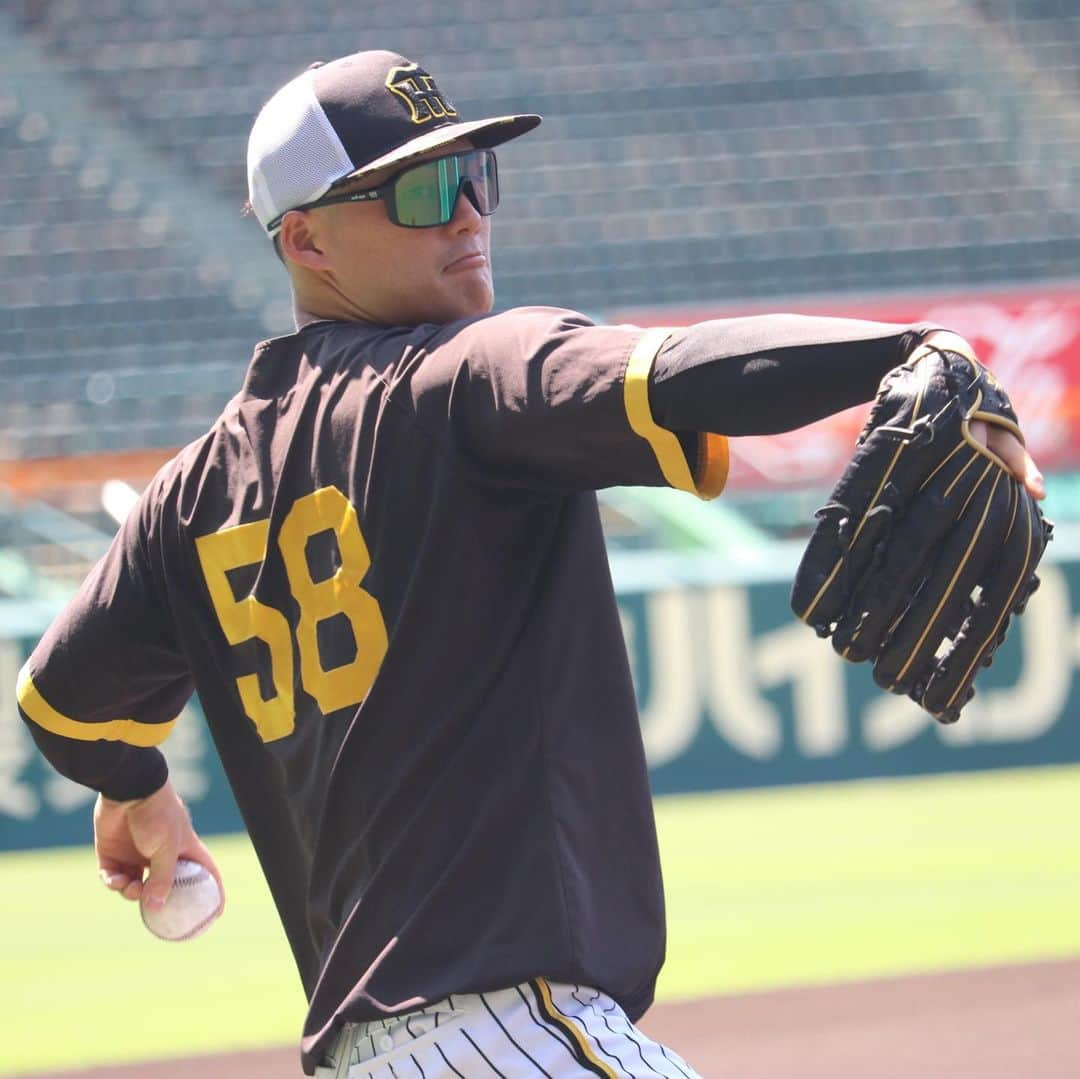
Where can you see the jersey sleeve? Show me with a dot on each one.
(543, 398)
(106, 682)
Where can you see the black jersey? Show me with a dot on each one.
(383, 572)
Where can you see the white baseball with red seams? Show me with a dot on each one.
(194, 903)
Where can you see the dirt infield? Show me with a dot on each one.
(985, 1024)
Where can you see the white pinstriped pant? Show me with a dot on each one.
(538, 1028)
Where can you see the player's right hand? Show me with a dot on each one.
(146, 837)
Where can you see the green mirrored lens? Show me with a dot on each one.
(427, 194)
(422, 197)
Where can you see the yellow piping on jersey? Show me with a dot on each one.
(129, 731)
(713, 465)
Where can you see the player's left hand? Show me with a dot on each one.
(998, 440)
(147, 835)
(1012, 451)
(930, 541)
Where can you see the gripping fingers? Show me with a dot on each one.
(133, 890)
(127, 884)
(124, 879)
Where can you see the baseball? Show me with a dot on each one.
(193, 904)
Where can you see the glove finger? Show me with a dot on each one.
(906, 660)
(887, 470)
(1004, 590)
(903, 560)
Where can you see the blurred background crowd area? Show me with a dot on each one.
(698, 158)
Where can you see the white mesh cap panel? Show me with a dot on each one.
(294, 154)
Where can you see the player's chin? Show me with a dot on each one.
(470, 295)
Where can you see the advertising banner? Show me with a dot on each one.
(733, 693)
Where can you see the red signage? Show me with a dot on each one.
(1030, 338)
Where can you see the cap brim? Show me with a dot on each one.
(481, 133)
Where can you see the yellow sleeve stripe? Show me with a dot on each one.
(129, 731)
(712, 468)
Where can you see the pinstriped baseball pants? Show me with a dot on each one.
(535, 1029)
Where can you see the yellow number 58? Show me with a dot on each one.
(325, 510)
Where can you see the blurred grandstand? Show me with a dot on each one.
(695, 153)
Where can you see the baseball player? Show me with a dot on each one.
(382, 569)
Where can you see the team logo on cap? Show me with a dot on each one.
(418, 90)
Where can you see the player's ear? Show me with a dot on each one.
(299, 240)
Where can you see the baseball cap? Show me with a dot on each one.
(349, 117)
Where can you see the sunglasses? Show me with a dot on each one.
(425, 195)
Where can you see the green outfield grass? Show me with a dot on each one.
(765, 889)
(820, 884)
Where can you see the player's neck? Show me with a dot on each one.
(313, 302)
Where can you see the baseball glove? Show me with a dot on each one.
(928, 544)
